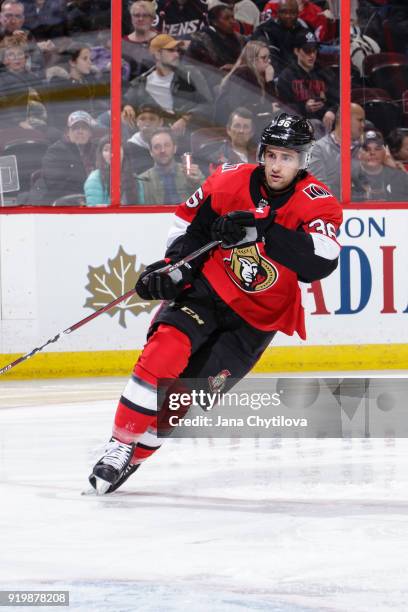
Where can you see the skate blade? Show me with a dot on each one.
(101, 486)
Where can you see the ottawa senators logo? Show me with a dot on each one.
(314, 191)
(249, 270)
(217, 383)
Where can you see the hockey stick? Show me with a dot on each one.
(166, 269)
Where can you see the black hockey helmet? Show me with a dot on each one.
(289, 132)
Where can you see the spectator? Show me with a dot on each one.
(246, 14)
(397, 142)
(238, 149)
(250, 83)
(180, 91)
(72, 86)
(148, 119)
(101, 59)
(322, 22)
(168, 182)
(378, 179)
(12, 19)
(181, 18)
(97, 185)
(325, 164)
(45, 19)
(280, 35)
(18, 85)
(135, 46)
(217, 45)
(86, 15)
(310, 90)
(69, 161)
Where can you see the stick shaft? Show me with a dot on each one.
(166, 269)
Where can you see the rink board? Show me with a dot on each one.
(56, 269)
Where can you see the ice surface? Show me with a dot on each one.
(205, 525)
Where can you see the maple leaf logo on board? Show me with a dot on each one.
(107, 285)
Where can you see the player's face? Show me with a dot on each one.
(281, 167)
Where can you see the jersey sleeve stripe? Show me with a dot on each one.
(324, 246)
(178, 229)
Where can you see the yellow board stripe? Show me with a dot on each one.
(279, 359)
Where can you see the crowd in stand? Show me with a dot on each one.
(200, 79)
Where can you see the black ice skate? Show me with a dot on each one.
(113, 468)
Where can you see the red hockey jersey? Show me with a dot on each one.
(262, 291)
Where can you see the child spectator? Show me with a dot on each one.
(97, 185)
(378, 179)
(18, 85)
(71, 86)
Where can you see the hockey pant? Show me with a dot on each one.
(196, 336)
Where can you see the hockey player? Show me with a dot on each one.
(277, 225)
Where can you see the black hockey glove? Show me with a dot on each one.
(153, 285)
(236, 227)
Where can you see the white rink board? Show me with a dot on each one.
(45, 261)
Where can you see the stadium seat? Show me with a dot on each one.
(381, 59)
(379, 107)
(391, 77)
(361, 95)
(29, 154)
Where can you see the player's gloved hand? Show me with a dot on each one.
(153, 285)
(236, 227)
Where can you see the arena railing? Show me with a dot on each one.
(116, 100)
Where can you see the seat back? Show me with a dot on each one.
(381, 59)
(385, 115)
(73, 199)
(29, 154)
(391, 77)
(361, 95)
